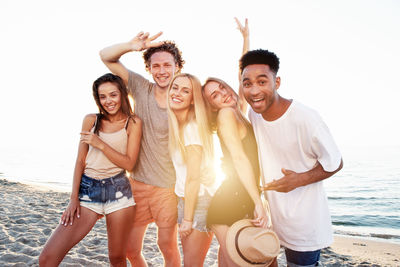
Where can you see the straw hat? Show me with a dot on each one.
(248, 245)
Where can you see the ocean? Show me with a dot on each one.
(364, 197)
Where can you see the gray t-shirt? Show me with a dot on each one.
(154, 165)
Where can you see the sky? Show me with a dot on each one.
(338, 57)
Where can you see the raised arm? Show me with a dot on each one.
(244, 30)
(194, 157)
(111, 55)
(126, 161)
(229, 132)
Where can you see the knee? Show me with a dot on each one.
(44, 258)
(168, 245)
(133, 253)
(117, 259)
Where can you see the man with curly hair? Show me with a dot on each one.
(154, 174)
(296, 152)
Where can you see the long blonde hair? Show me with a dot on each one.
(212, 115)
(197, 113)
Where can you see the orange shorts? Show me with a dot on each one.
(154, 204)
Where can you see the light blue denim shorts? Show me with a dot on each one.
(104, 196)
(200, 212)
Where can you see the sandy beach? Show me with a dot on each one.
(29, 215)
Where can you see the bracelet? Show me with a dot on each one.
(187, 220)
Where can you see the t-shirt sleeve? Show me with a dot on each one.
(136, 82)
(191, 135)
(325, 148)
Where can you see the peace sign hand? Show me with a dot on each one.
(243, 29)
(143, 41)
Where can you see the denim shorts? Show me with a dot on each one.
(200, 212)
(104, 196)
(302, 258)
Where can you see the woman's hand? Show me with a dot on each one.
(142, 41)
(92, 139)
(68, 215)
(185, 228)
(261, 218)
(243, 29)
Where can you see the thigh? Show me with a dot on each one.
(220, 231)
(163, 205)
(302, 258)
(195, 247)
(65, 237)
(119, 226)
(143, 215)
(167, 235)
(135, 239)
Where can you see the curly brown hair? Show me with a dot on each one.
(167, 46)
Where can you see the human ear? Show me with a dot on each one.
(277, 82)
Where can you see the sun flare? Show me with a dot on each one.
(132, 103)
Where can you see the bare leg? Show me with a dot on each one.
(66, 237)
(274, 263)
(224, 260)
(135, 245)
(195, 248)
(119, 225)
(168, 244)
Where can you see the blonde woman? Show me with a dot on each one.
(191, 149)
(238, 196)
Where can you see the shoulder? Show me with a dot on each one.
(137, 81)
(88, 121)
(225, 114)
(134, 122)
(305, 114)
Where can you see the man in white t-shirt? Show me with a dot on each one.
(296, 152)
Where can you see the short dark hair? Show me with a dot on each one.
(260, 56)
(167, 46)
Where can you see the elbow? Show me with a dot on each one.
(340, 165)
(130, 165)
(130, 168)
(102, 55)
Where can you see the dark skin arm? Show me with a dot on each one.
(292, 180)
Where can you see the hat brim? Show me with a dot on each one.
(231, 247)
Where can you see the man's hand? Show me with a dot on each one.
(290, 181)
(142, 41)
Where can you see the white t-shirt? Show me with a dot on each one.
(191, 137)
(296, 141)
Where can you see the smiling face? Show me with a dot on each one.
(260, 87)
(110, 98)
(162, 68)
(180, 95)
(219, 96)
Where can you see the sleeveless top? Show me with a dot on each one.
(250, 149)
(98, 166)
(232, 202)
